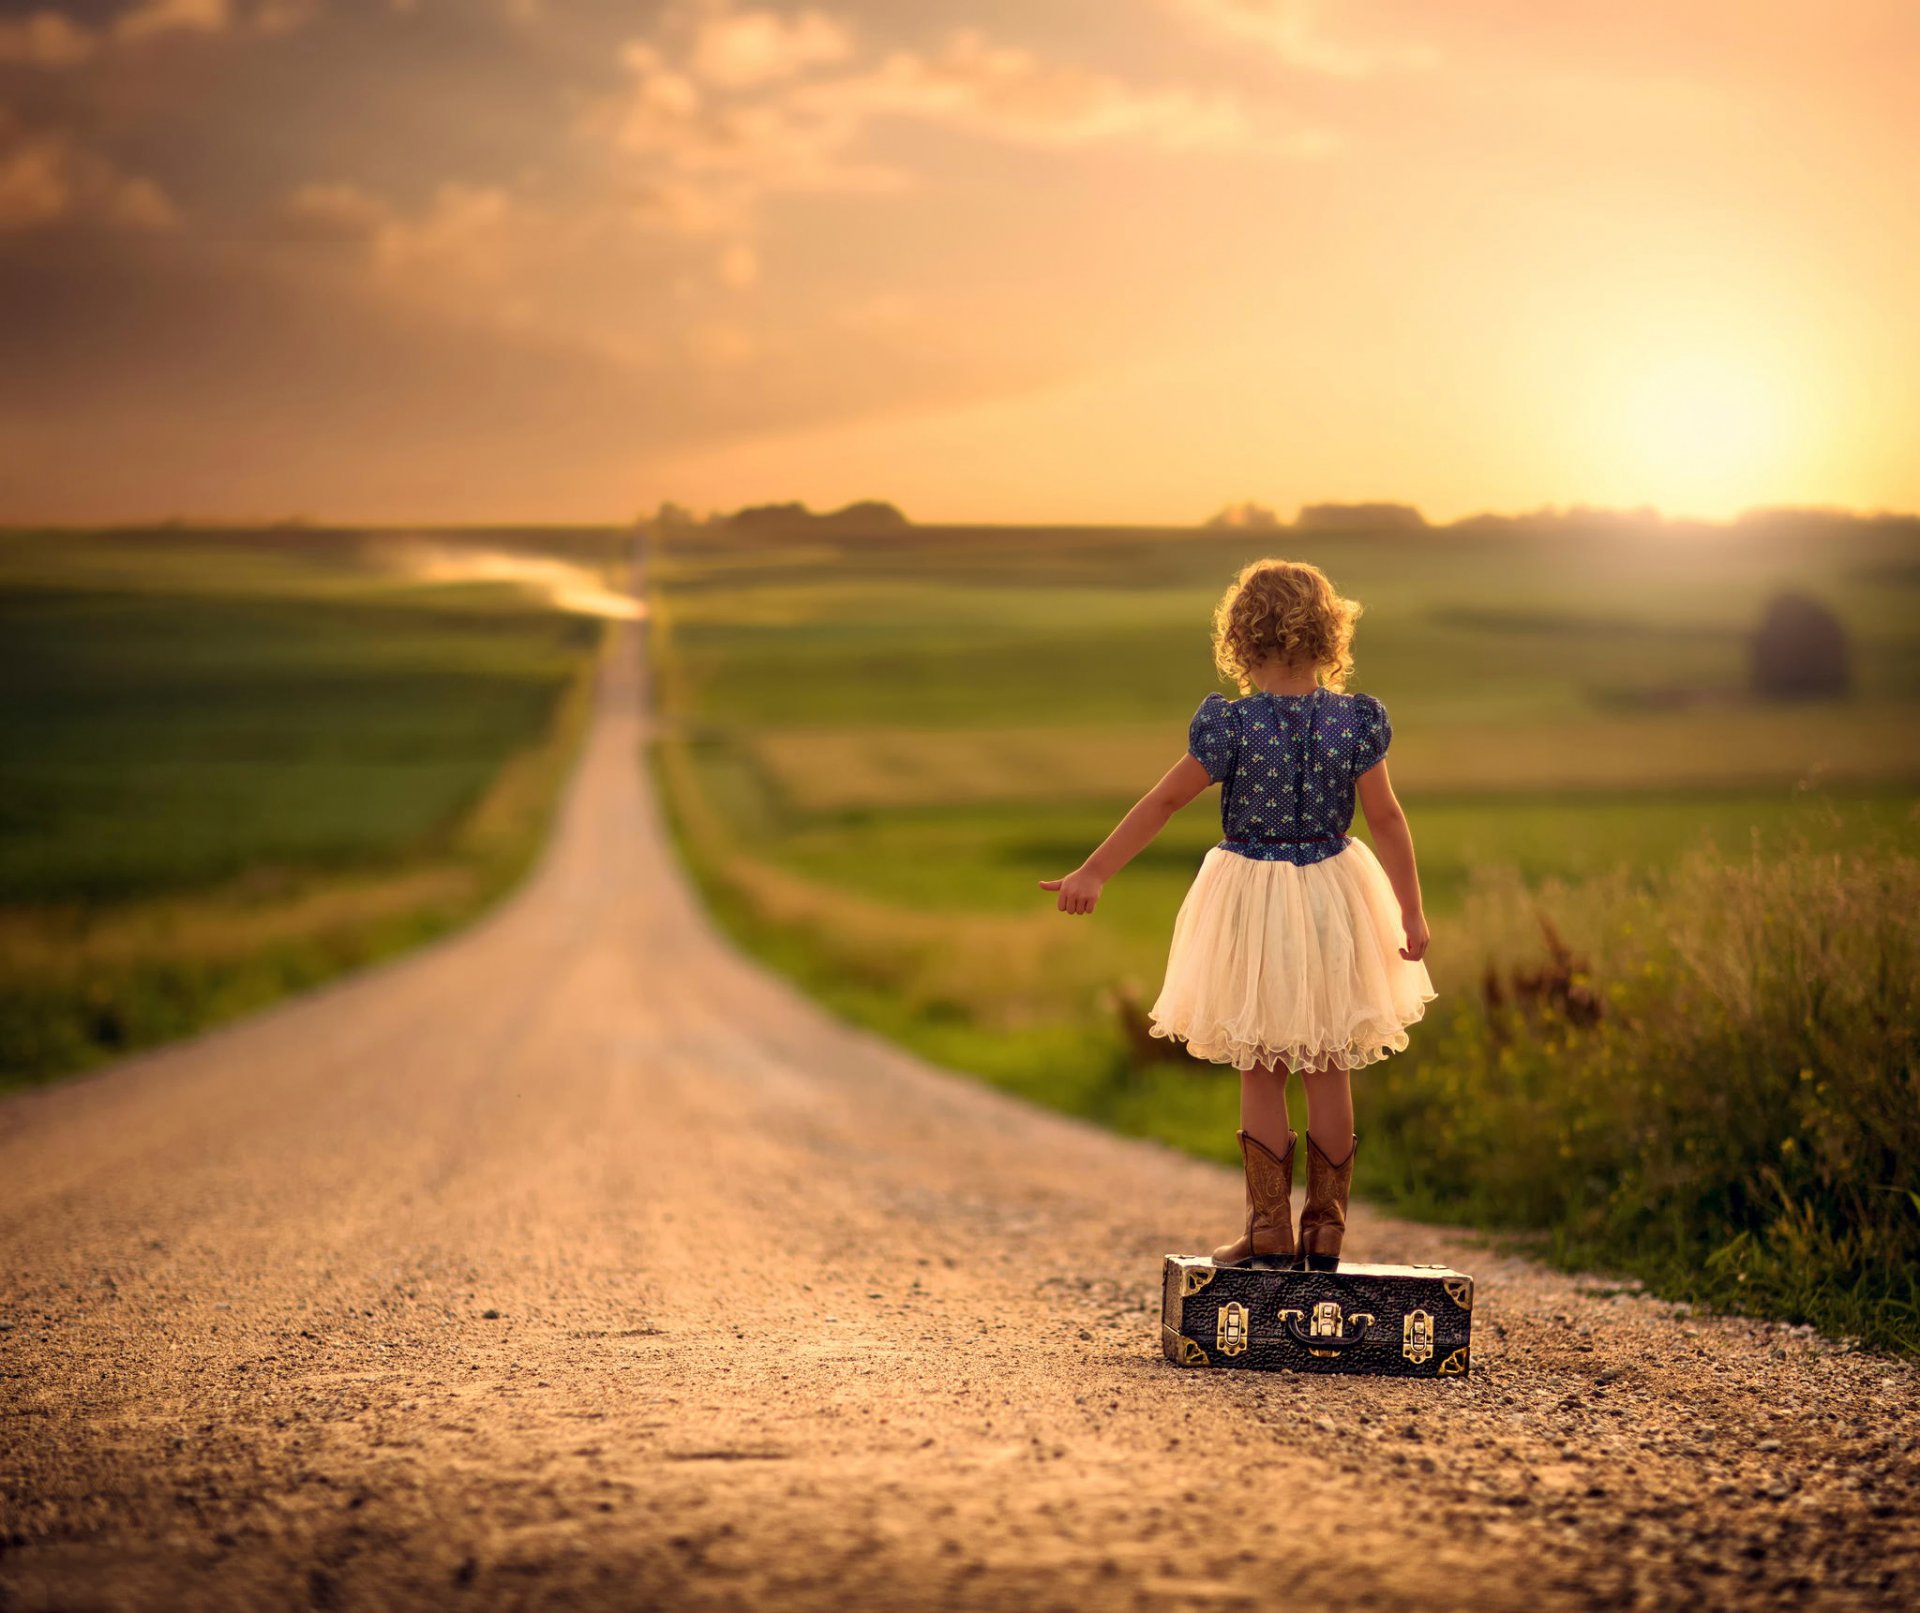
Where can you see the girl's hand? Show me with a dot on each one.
(1417, 938)
(1078, 891)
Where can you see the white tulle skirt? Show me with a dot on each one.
(1294, 966)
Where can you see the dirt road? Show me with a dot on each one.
(577, 1263)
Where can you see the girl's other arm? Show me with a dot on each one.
(1393, 843)
(1080, 889)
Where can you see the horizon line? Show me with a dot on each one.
(1410, 516)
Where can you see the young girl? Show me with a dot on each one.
(1296, 949)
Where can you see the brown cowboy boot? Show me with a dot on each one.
(1323, 1221)
(1268, 1241)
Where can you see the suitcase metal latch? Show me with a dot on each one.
(1326, 1323)
(1416, 1337)
(1230, 1334)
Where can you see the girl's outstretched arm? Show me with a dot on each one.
(1080, 889)
(1393, 844)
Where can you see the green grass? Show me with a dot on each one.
(233, 764)
(1737, 1116)
(873, 749)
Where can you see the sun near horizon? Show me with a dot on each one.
(394, 261)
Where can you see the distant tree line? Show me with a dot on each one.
(1576, 520)
(863, 517)
(1373, 517)
(878, 517)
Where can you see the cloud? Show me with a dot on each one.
(1291, 30)
(48, 180)
(469, 231)
(462, 240)
(174, 16)
(536, 269)
(758, 47)
(678, 206)
(49, 38)
(541, 270)
(760, 143)
(50, 176)
(45, 39)
(1007, 93)
(333, 211)
(272, 17)
(723, 108)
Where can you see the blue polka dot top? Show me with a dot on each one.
(1286, 764)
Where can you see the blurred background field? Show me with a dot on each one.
(236, 762)
(1700, 1069)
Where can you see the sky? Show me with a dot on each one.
(419, 261)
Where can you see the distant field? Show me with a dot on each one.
(819, 770)
(235, 762)
(934, 720)
(874, 747)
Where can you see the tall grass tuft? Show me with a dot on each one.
(1709, 1077)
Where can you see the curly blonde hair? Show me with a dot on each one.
(1284, 610)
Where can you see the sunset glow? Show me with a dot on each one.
(397, 260)
(1704, 430)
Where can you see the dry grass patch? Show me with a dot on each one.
(831, 769)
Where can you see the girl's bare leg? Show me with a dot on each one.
(1331, 1147)
(1267, 1152)
(1329, 1109)
(1263, 1105)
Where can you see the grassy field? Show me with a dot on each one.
(875, 747)
(234, 763)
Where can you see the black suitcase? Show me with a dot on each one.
(1386, 1321)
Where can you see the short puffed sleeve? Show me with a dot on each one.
(1212, 739)
(1375, 733)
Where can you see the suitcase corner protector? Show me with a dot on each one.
(1181, 1350)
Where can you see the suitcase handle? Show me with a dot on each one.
(1323, 1341)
